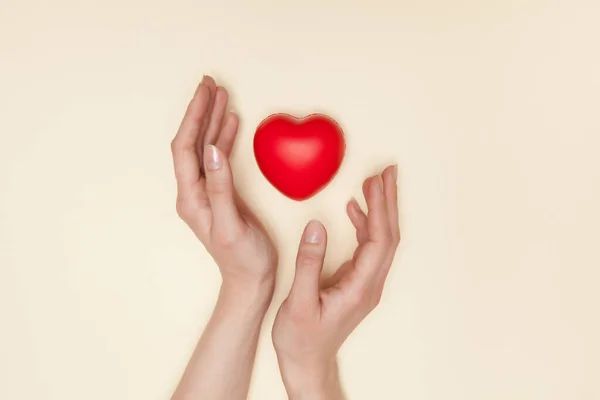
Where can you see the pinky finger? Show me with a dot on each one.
(228, 133)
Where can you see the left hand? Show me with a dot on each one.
(206, 196)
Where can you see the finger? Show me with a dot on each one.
(378, 225)
(390, 189)
(228, 133)
(366, 185)
(185, 159)
(216, 116)
(359, 220)
(391, 195)
(220, 190)
(210, 83)
(309, 264)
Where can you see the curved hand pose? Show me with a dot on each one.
(207, 201)
(317, 317)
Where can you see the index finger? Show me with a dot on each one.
(185, 158)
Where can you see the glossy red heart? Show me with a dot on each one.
(299, 156)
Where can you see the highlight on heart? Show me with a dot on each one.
(299, 156)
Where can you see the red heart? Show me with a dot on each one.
(299, 156)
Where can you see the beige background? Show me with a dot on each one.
(491, 108)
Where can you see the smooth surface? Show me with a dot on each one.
(491, 110)
(299, 156)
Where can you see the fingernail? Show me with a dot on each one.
(200, 84)
(198, 87)
(314, 232)
(212, 158)
(379, 183)
(395, 172)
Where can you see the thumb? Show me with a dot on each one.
(220, 190)
(309, 264)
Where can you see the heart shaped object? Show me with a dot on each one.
(299, 156)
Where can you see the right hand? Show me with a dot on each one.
(316, 318)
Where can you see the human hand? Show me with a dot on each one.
(207, 200)
(317, 317)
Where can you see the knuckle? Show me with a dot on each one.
(217, 187)
(376, 293)
(183, 207)
(309, 259)
(395, 237)
(357, 297)
(384, 241)
(365, 298)
(284, 310)
(174, 145)
(228, 237)
(375, 299)
(297, 312)
(292, 311)
(387, 240)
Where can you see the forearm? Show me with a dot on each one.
(221, 365)
(318, 382)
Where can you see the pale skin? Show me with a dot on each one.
(318, 315)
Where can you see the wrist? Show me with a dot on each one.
(248, 296)
(313, 381)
